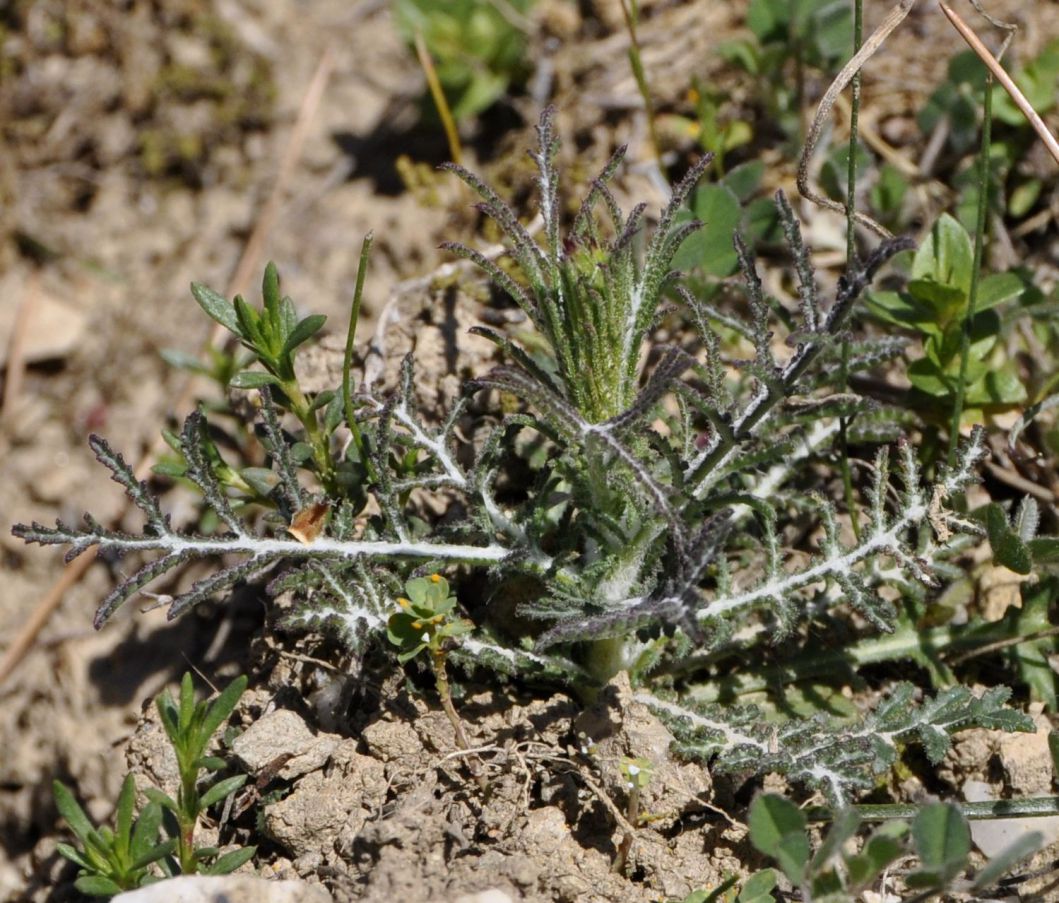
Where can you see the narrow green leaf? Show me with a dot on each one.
(222, 707)
(187, 702)
(153, 854)
(305, 330)
(123, 817)
(230, 861)
(270, 289)
(97, 886)
(71, 810)
(222, 789)
(74, 855)
(145, 832)
(217, 308)
(253, 379)
(1001, 864)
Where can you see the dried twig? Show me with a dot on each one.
(993, 65)
(16, 348)
(845, 76)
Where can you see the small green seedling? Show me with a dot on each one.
(113, 860)
(190, 725)
(427, 621)
(938, 837)
(934, 305)
(273, 334)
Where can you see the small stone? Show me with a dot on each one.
(284, 733)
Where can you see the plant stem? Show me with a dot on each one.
(441, 682)
(631, 12)
(979, 244)
(851, 256)
(347, 360)
(1034, 807)
(448, 123)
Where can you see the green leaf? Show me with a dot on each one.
(186, 712)
(942, 839)
(74, 855)
(253, 379)
(1009, 549)
(221, 708)
(305, 330)
(758, 888)
(124, 815)
(270, 291)
(843, 827)
(771, 819)
(145, 832)
(710, 249)
(1001, 864)
(70, 810)
(250, 326)
(946, 256)
(97, 886)
(222, 789)
(998, 288)
(792, 854)
(881, 850)
(217, 308)
(153, 854)
(230, 861)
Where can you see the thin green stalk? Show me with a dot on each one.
(441, 103)
(851, 256)
(1034, 807)
(979, 245)
(347, 360)
(630, 9)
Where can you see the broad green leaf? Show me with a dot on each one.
(771, 819)
(942, 838)
(792, 854)
(710, 249)
(745, 179)
(1009, 549)
(998, 288)
(946, 256)
(217, 308)
(758, 887)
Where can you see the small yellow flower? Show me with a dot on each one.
(435, 578)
